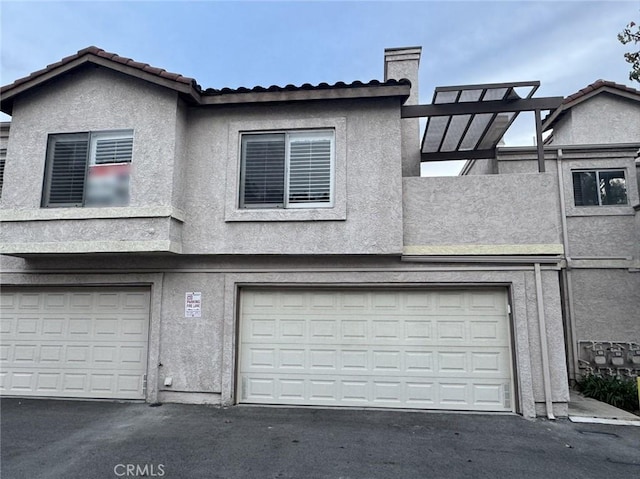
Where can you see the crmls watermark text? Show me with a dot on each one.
(139, 470)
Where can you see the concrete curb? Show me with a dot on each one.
(598, 420)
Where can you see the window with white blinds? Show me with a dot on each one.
(88, 169)
(287, 170)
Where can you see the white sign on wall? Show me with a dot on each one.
(192, 304)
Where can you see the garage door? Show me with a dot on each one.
(81, 343)
(428, 349)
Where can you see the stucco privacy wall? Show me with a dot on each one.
(366, 217)
(199, 353)
(591, 122)
(483, 210)
(96, 99)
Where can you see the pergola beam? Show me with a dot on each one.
(459, 155)
(479, 107)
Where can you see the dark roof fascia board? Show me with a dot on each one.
(402, 91)
(493, 106)
(549, 121)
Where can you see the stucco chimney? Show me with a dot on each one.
(404, 63)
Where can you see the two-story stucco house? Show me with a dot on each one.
(594, 151)
(166, 242)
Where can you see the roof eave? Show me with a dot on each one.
(401, 91)
(9, 92)
(557, 114)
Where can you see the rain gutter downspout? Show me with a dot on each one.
(567, 254)
(544, 350)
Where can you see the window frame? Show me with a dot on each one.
(597, 172)
(289, 135)
(231, 159)
(92, 138)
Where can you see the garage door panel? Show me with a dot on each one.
(75, 343)
(482, 395)
(353, 360)
(321, 330)
(385, 331)
(399, 348)
(77, 384)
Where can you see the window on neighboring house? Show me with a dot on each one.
(88, 169)
(3, 157)
(287, 170)
(599, 188)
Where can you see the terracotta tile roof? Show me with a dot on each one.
(99, 52)
(305, 86)
(599, 84)
(188, 87)
(567, 103)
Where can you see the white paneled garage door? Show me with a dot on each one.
(428, 349)
(81, 342)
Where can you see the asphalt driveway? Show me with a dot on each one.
(77, 439)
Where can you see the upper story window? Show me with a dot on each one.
(599, 188)
(88, 169)
(3, 157)
(287, 170)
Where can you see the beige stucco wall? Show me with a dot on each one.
(186, 159)
(199, 353)
(97, 99)
(602, 236)
(607, 305)
(490, 210)
(366, 217)
(603, 118)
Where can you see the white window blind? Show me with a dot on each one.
(310, 169)
(113, 150)
(287, 170)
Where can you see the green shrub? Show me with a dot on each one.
(615, 390)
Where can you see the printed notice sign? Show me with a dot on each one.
(192, 304)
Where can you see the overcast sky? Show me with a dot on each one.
(565, 45)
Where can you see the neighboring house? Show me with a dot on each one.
(276, 245)
(594, 151)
